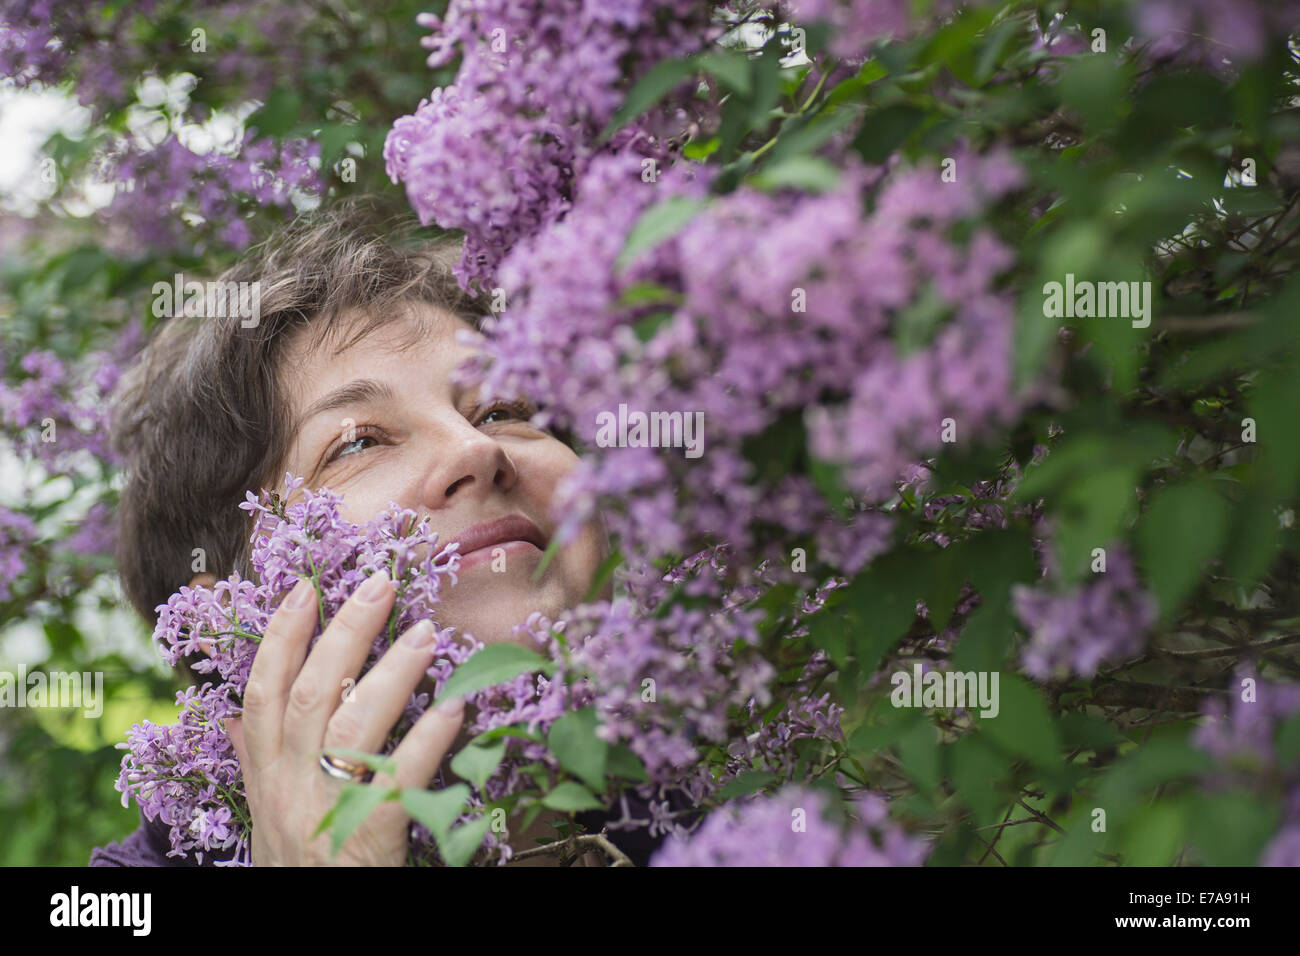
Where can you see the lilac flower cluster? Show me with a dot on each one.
(54, 412)
(666, 684)
(188, 773)
(1242, 737)
(159, 186)
(1214, 33)
(708, 681)
(1073, 632)
(791, 828)
(496, 152)
(763, 305)
(97, 44)
(17, 532)
(1061, 37)
(856, 26)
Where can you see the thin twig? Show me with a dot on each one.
(586, 841)
(1210, 652)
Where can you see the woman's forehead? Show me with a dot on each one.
(393, 327)
(365, 347)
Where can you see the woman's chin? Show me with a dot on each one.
(493, 613)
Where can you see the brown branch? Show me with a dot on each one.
(586, 841)
(1150, 696)
(1040, 816)
(1209, 652)
(1207, 323)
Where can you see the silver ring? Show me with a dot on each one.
(341, 769)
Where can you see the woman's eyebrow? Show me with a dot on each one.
(357, 392)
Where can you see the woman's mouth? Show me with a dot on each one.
(500, 540)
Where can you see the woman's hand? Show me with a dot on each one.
(294, 709)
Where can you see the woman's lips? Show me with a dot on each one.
(515, 535)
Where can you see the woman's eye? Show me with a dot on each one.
(352, 447)
(503, 413)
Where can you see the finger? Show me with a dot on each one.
(337, 656)
(235, 731)
(424, 746)
(368, 713)
(279, 658)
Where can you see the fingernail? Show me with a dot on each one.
(374, 588)
(451, 706)
(301, 594)
(419, 636)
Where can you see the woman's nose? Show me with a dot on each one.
(467, 463)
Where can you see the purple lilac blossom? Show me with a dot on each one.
(496, 152)
(855, 26)
(171, 179)
(766, 831)
(1075, 631)
(17, 532)
(96, 45)
(711, 684)
(74, 401)
(1242, 737)
(727, 342)
(1215, 33)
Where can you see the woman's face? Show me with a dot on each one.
(379, 423)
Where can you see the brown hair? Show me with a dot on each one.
(201, 418)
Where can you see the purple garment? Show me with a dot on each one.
(149, 845)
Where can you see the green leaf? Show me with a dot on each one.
(731, 68)
(355, 804)
(648, 327)
(869, 738)
(1288, 742)
(648, 293)
(574, 742)
(1023, 726)
(493, 665)
(552, 549)
(1253, 538)
(458, 847)
(436, 809)
(830, 632)
(745, 784)
(657, 224)
(621, 762)
(804, 134)
(603, 573)
(701, 149)
(976, 767)
(333, 139)
(279, 114)
(986, 637)
(882, 600)
(1232, 829)
(918, 749)
(1181, 530)
(1276, 398)
(811, 173)
(509, 730)
(648, 91)
(1098, 87)
(477, 763)
(570, 797)
(1154, 835)
(1091, 733)
(884, 130)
